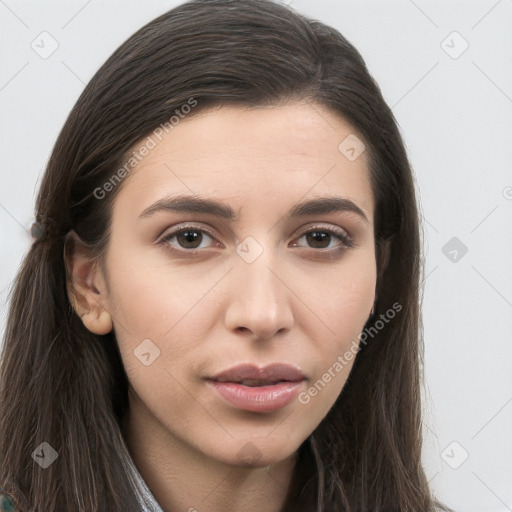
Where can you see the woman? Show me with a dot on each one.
(220, 309)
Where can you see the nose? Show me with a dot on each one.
(259, 300)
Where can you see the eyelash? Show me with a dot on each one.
(341, 235)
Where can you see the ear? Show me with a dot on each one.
(86, 285)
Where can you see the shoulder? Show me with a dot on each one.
(7, 504)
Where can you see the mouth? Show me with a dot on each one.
(251, 375)
(254, 383)
(250, 388)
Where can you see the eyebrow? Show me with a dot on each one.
(197, 204)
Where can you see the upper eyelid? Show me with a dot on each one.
(190, 225)
(176, 230)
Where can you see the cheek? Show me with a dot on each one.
(349, 303)
(166, 311)
(342, 301)
(150, 298)
(339, 298)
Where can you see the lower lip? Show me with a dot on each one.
(258, 398)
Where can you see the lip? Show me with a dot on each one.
(281, 384)
(257, 399)
(271, 372)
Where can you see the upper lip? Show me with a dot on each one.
(272, 373)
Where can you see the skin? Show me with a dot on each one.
(301, 301)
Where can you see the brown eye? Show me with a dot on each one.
(318, 238)
(191, 238)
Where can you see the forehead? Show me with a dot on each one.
(252, 156)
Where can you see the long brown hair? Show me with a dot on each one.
(63, 385)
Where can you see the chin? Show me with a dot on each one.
(252, 454)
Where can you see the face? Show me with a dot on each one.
(246, 276)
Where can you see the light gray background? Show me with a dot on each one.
(455, 112)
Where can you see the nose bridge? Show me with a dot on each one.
(259, 301)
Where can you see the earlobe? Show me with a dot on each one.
(98, 322)
(85, 285)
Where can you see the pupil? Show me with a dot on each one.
(317, 239)
(190, 237)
